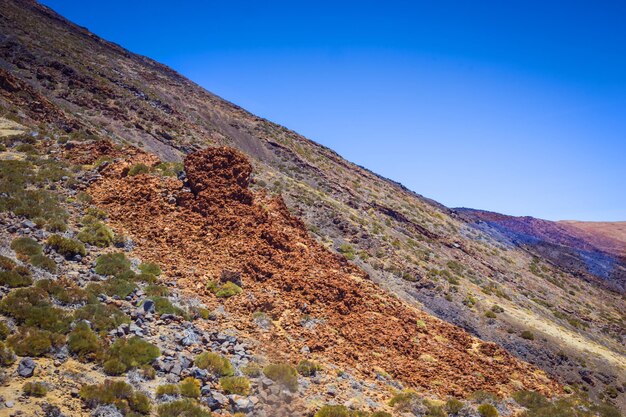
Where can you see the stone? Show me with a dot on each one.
(26, 368)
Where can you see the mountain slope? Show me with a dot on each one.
(63, 80)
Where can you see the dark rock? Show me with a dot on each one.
(148, 306)
(26, 368)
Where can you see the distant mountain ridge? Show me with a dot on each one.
(580, 247)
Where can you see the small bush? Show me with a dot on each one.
(239, 385)
(7, 356)
(114, 367)
(117, 393)
(66, 247)
(138, 169)
(190, 388)
(96, 213)
(252, 370)
(487, 410)
(56, 225)
(333, 411)
(164, 306)
(227, 290)
(146, 278)
(7, 264)
(284, 374)
(150, 268)
(12, 279)
(43, 262)
(103, 317)
(214, 363)
(96, 234)
(26, 247)
(497, 309)
(528, 335)
(66, 291)
(31, 307)
(148, 372)
(34, 342)
(4, 330)
(119, 287)
(347, 251)
(112, 264)
(34, 389)
(380, 414)
(133, 352)
(83, 342)
(153, 290)
(168, 389)
(406, 401)
(180, 408)
(308, 368)
(530, 399)
(453, 406)
(490, 314)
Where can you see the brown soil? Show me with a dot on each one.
(216, 223)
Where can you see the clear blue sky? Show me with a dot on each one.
(516, 107)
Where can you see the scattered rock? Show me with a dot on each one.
(26, 367)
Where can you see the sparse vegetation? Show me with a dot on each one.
(487, 410)
(528, 335)
(125, 354)
(308, 368)
(190, 387)
(185, 407)
(112, 264)
(35, 389)
(284, 374)
(150, 268)
(214, 363)
(66, 247)
(239, 385)
(96, 233)
(117, 393)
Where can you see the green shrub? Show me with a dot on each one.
(138, 169)
(380, 414)
(4, 330)
(487, 410)
(156, 290)
(453, 406)
(239, 385)
(34, 389)
(530, 399)
(145, 277)
(103, 317)
(26, 246)
(7, 356)
(12, 279)
(167, 389)
(308, 368)
(114, 367)
(112, 264)
(34, 342)
(284, 374)
(214, 363)
(190, 387)
(96, 213)
(227, 290)
(31, 307)
(133, 352)
(406, 401)
(164, 306)
(83, 197)
(96, 234)
(56, 225)
(65, 291)
(528, 335)
(347, 251)
(117, 393)
(83, 342)
(490, 314)
(7, 264)
(150, 268)
(497, 309)
(66, 247)
(252, 370)
(333, 411)
(43, 262)
(182, 408)
(120, 287)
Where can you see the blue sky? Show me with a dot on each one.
(515, 107)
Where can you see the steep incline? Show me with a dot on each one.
(218, 224)
(63, 80)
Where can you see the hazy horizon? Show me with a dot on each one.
(512, 109)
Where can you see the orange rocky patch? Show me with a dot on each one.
(215, 223)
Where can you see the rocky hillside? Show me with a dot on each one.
(584, 249)
(63, 87)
